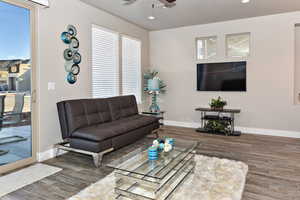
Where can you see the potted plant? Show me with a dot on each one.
(215, 126)
(217, 104)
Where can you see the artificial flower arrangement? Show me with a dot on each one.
(160, 145)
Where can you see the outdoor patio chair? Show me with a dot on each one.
(15, 116)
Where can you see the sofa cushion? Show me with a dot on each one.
(86, 112)
(132, 136)
(88, 145)
(108, 130)
(123, 106)
(97, 111)
(75, 114)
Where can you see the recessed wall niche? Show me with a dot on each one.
(297, 65)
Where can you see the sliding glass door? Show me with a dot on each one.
(16, 85)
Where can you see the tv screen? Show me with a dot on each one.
(229, 76)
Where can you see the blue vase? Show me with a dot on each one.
(152, 153)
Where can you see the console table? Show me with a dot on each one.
(224, 116)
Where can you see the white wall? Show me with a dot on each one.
(51, 22)
(269, 101)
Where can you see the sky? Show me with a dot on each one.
(14, 32)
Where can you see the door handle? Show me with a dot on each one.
(33, 96)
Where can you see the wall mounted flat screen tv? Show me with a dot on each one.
(228, 76)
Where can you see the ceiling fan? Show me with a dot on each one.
(166, 3)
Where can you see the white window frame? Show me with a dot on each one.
(237, 34)
(205, 38)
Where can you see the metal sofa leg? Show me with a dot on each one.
(57, 150)
(97, 157)
(156, 133)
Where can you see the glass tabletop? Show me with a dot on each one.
(136, 164)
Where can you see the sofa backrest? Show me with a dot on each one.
(122, 106)
(75, 114)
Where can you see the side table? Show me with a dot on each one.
(160, 116)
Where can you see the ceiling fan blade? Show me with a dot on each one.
(168, 3)
(128, 2)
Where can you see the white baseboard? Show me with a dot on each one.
(46, 155)
(258, 131)
(271, 132)
(182, 124)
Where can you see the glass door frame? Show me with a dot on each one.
(34, 107)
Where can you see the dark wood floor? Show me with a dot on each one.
(274, 167)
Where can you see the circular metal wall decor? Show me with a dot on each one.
(66, 37)
(71, 78)
(77, 58)
(68, 54)
(74, 43)
(72, 30)
(68, 66)
(71, 54)
(75, 69)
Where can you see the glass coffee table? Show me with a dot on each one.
(138, 178)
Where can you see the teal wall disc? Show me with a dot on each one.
(71, 78)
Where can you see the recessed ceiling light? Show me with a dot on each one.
(245, 1)
(151, 17)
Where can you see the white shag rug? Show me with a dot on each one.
(16, 180)
(213, 179)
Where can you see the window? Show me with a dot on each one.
(238, 45)
(105, 63)
(131, 67)
(206, 47)
(108, 77)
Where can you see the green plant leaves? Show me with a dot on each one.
(217, 103)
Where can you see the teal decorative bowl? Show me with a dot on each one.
(71, 78)
(66, 37)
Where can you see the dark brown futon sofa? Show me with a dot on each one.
(96, 126)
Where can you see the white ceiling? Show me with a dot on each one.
(191, 12)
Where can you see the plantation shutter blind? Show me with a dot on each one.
(131, 67)
(105, 63)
